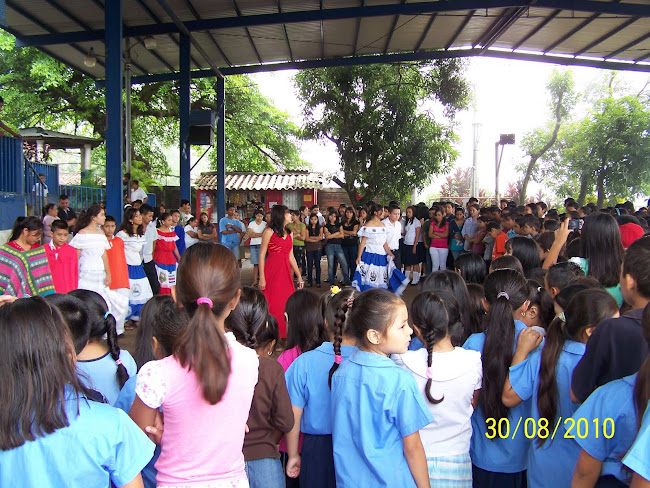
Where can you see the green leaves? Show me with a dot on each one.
(389, 144)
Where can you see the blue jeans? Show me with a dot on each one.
(265, 473)
(336, 250)
(313, 258)
(350, 253)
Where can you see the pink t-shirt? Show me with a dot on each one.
(288, 357)
(285, 359)
(201, 443)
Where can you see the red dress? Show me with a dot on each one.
(279, 278)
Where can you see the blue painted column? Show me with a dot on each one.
(184, 115)
(114, 127)
(221, 148)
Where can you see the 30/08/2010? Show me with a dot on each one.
(534, 428)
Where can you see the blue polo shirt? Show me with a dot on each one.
(101, 445)
(307, 382)
(229, 240)
(375, 404)
(637, 457)
(560, 453)
(614, 400)
(499, 455)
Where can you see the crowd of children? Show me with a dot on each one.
(527, 369)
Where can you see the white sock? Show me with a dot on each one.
(408, 275)
(416, 277)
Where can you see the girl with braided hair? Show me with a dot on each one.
(307, 381)
(377, 410)
(271, 408)
(450, 379)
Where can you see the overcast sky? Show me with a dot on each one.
(510, 97)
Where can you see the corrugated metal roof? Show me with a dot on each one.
(239, 35)
(263, 181)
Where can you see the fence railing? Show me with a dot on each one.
(12, 170)
(37, 191)
(82, 197)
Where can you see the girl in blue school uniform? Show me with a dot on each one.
(545, 374)
(308, 385)
(602, 462)
(377, 409)
(51, 435)
(499, 462)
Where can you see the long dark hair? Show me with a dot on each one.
(351, 221)
(76, 315)
(600, 244)
(30, 223)
(313, 230)
(249, 317)
(471, 267)
(127, 226)
(413, 216)
(162, 319)
(587, 308)
(525, 250)
(505, 290)
(447, 280)
(86, 216)
(277, 224)
(335, 316)
(306, 328)
(211, 271)
(433, 313)
(642, 385)
(475, 307)
(103, 322)
(507, 262)
(36, 359)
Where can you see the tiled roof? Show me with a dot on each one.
(263, 181)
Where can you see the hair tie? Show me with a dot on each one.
(202, 300)
(118, 361)
(503, 294)
(430, 372)
(338, 358)
(107, 314)
(562, 317)
(334, 290)
(350, 302)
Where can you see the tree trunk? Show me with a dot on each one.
(600, 186)
(529, 172)
(584, 186)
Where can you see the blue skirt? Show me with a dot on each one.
(317, 462)
(140, 291)
(378, 271)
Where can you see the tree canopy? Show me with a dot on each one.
(38, 90)
(392, 125)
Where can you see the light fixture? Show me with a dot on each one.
(150, 42)
(90, 60)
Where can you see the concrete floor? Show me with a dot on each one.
(127, 341)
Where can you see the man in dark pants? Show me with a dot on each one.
(147, 251)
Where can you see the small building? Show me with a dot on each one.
(246, 190)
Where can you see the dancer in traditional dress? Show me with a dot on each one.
(375, 267)
(165, 254)
(132, 233)
(94, 272)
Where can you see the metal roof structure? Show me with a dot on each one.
(58, 140)
(295, 180)
(241, 36)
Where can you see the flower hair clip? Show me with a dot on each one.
(334, 290)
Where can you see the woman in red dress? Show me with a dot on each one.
(165, 255)
(277, 266)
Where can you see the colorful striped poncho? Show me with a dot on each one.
(24, 273)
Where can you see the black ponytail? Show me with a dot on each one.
(430, 313)
(642, 385)
(103, 322)
(337, 329)
(121, 374)
(505, 290)
(338, 307)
